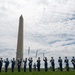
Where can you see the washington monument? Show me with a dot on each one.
(19, 53)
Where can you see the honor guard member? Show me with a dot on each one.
(19, 64)
(13, 64)
(25, 64)
(30, 64)
(73, 62)
(6, 64)
(66, 63)
(52, 64)
(1, 64)
(45, 63)
(60, 63)
(34, 66)
(38, 64)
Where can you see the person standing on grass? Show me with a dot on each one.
(66, 63)
(45, 63)
(30, 64)
(13, 64)
(1, 64)
(60, 63)
(19, 64)
(25, 64)
(52, 64)
(6, 64)
(38, 64)
(73, 62)
(34, 66)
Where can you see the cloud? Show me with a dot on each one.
(49, 25)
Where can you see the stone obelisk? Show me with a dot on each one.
(19, 53)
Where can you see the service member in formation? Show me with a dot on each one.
(60, 63)
(30, 64)
(73, 62)
(38, 64)
(1, 64)
(66, 63)
(6, 64)
(52, 64)
(45, 63)
(13, 64)
(34, 66)
(25, 64)
(19, 64)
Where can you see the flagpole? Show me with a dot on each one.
(28, 52)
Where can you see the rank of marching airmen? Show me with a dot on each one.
(60, 63)
(36, 65)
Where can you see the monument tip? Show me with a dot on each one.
(21, 16)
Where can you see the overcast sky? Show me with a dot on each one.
(49, 26)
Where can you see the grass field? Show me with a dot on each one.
(42, 72)
(39, 73)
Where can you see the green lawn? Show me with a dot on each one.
(39, 73)
(42, 72)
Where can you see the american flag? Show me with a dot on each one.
(28, 50)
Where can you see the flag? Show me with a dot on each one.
(36, 53)
(28, 50)
(43, 55)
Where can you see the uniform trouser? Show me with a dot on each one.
(67, 67)
(30, 68)
(24, 68)
(34, 68)
(0, 68)
(46, 68)
(53, 68)
(6, 68)
(38, 68)
(74, 66)
(60, 65)
(18, 68)
(12, 68)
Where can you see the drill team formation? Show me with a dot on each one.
(36, 65)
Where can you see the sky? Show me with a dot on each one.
(49, 27)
